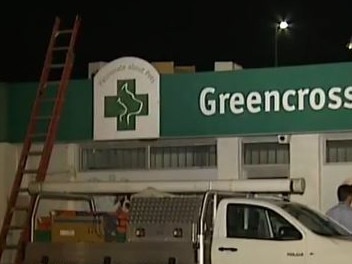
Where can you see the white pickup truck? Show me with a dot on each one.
(274, 231)
(243, 222)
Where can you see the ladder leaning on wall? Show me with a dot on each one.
(42, 127)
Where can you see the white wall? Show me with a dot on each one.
(333, 174)
(305, 161)
(61, 168)
(228, 150)
(149, 175)
(229, 158)
(306, 154)
(64, 166)
(308, 160)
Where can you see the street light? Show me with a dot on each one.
(349, 44)
(283, 25)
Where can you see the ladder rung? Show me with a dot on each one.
(53, 82)
(20, 208)
(30, 171)
(16, 227)
(11, 247)
(61, 48)
(65, 31)
(39, 135)
(57, 66)
(52, 99)
(35, 153)
(22, 190)
(42, 117)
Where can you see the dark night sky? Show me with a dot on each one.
(183, 31)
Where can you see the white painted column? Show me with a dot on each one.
(73, 167)
(305, 161)
(229, 161)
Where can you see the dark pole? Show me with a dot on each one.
(276, 37)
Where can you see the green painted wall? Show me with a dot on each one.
(76, 122)
(3, 112)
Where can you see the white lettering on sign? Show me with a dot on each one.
(207, 106)
(335, 98)
(272, 96)
(317, 99)
(286, 105)
(254, 101)
(348, 95)
(237, 103)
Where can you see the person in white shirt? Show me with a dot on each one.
(342, 212)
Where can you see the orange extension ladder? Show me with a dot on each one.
(42, 127)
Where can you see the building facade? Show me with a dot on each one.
(133, 123)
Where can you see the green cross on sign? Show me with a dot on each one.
(126, 105)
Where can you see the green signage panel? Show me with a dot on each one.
(76, 122)
(314, 98)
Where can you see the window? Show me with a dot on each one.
(338, 151)
(314, 221)
(266, 153)
(183, 156)
(255, 222)
(142, 156)
(281, 228)
(113, 158)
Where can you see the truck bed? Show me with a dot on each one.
(121, 253)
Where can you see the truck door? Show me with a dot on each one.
(248, 233)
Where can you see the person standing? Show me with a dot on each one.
(342, 212)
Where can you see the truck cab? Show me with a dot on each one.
(276, 231)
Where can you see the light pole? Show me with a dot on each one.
(283, 25)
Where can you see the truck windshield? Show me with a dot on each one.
(316, 222)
